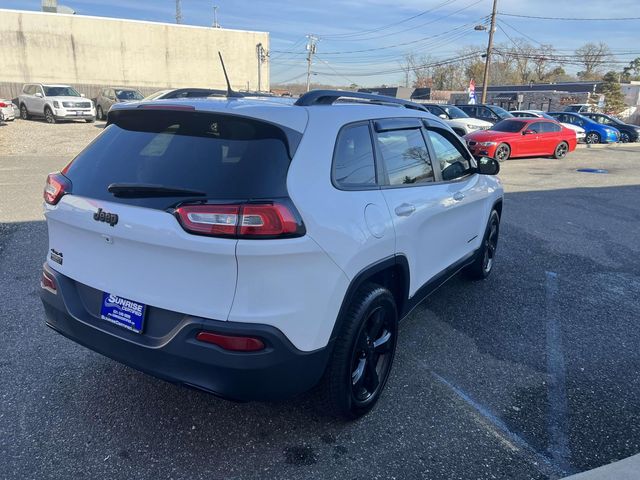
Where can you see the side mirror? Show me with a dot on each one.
(442, 115)
(488, 166)
(38, 94)
(529, 132)
(82, 95)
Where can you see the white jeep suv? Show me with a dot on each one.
(54, 102)
(254, 248)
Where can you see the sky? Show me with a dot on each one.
(365, 41)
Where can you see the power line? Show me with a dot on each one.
(619, 19)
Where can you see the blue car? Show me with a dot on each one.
(595, 132)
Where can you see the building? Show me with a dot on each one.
(92, 52)
(405, 93)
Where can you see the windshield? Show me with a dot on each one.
(128, 95)
(60, 92)
(501, 112)
(454, 112)
(547, 116)
(510, 126)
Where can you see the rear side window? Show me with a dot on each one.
(550, 127)
(405, 156)
(224, 156)
(353, 163)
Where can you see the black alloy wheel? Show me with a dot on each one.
(503, 152)
(561, 150)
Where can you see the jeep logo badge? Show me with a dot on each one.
(102, 216)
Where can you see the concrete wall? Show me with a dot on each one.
(80, 50)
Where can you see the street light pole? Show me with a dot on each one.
(485, 76)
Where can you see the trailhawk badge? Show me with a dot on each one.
(102, 216)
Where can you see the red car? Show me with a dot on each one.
(522, 137)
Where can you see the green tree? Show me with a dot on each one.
(613, 97)
(632, 71)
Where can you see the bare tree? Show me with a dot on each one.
(420, 68)
(542, 62)
(593, 56)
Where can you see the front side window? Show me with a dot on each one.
(353, 163)
(550, 127)
(535, 127)
(405, 156)
(484, 112)
(453, 162)
(454, 112)
(509, 126)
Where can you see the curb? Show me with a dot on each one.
(627, 469)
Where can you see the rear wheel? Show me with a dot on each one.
(503, 152)
(24, 113)
(362, 355)
(48, 115)
(561, 150)
(483, 263)
(99, 114)
(592, 137)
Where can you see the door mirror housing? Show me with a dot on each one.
(529, 132)
(488, 166)
(38, 94)
(443, 116)
(82, 95)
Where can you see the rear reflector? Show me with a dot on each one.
(3, 105)
(48, 282)
(57, 185)
(233, 343)
(248, 220)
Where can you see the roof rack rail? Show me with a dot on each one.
(329, 97)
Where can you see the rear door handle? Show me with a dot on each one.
(405, 209)
(458, 196)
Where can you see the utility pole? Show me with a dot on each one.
(261, 59)
(487, 61)
(178, 12)
(215, 17)
(311, 50)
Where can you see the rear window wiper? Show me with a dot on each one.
(142, 190)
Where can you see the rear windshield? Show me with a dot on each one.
(224, 156)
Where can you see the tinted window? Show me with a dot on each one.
(501, 112)
(434, 110)
(535, 127)
(224, 156)
(454, 112)
(449, 153)
(550, 127)
(353, 163)
(511, 126)
(60, 92)
(469, 110)
(405, 156)
(484, 112)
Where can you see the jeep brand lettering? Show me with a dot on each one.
(102, 216)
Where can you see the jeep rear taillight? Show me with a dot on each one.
(246, 220)
(57, 185)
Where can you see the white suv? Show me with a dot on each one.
(54, 102)
(254, 248)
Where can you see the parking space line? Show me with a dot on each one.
(557, 420)
(498, 427)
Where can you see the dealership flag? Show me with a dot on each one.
(472, 92)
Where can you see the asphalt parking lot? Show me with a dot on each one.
(531, 374)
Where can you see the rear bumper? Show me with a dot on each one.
(277, 372)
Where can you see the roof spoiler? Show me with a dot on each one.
(329, 97)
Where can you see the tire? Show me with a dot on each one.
(48, 116)
(502, 153)
(24, 113)
(90, 120)
(592, 138)
(624, 137)
(363, 354)
(561, 150)
(483, 264)
(99, 113)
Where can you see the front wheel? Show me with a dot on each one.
(624, 137)
(561, 150)
(485, 257)
(363, 354)
(503, 152)
(592, 138)
(48, 115)
(24, 113)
